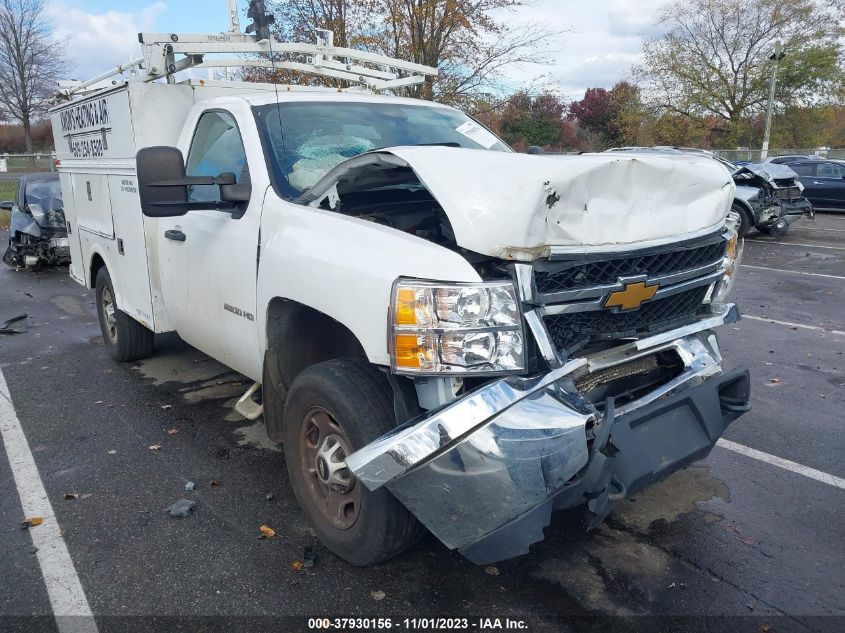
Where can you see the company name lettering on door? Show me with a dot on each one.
(86, 127)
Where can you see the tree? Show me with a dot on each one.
(528, 120)
(30, 62)
(610, 117)
(714, 57)
(469, 41)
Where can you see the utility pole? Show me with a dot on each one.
(234, 22)
(776, 56)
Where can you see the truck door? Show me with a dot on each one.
(216, 266)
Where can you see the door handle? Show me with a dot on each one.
(175, 234)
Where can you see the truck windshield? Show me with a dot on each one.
(304, 141)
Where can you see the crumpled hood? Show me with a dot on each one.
(520, 206)
(768, 171)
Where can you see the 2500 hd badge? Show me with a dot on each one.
(234, 310)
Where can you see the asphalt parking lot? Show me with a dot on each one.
(750, 542)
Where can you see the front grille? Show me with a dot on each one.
(788, 193)
(584, 275)
(572, 330)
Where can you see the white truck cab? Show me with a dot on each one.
(442, 332)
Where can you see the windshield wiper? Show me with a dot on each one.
(443, 144)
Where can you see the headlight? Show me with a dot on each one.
(455, 328)
(733, 256)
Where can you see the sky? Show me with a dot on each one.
(601, 42)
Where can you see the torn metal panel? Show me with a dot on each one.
(519, 206)
(768, 171)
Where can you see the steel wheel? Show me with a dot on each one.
(323, 448)
(107, 305)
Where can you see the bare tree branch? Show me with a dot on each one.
(31, 61)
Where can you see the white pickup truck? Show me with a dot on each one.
(445, 333)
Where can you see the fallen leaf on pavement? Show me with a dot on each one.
(267, 531)
(297, 565)
(70, 496)
(155, 447)
(764, 627)
(172, 431)
(167, 406)
(377, 595)
(491, 570)
(32, 522)
(213, 482)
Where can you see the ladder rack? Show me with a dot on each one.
(165, 54)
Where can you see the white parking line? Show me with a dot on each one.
(794, 272)
(70, 607)
(816, 228)
(832, 248)
(790, 324)
(774, 460)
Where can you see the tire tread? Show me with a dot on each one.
(134, 340)
(366, 389)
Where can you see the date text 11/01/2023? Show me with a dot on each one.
(417, 624)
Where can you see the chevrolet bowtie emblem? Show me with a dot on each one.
(633, 296)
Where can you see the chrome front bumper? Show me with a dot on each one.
(484, 473)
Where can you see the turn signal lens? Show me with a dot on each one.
(733, 257)
(406, 313)
(413, 351)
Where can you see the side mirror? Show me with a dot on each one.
(7, 205)
(239, 192)
(163, 185)
(535, 149)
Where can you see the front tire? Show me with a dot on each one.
(745, 220)
(124, 337)
(334, 408)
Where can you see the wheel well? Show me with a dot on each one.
(742, 204)
(96, 264)
(299, 336)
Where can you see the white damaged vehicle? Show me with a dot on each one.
(445, 333)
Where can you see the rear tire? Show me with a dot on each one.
(124, 337)
(345, 401)
(746, 222)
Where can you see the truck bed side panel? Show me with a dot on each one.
(96, 141)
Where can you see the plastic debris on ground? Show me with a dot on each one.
(309, 556)
(182, 508)
(14, 325)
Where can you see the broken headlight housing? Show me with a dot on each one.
(733, 257)
(441, 329)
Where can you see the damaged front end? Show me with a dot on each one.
(485, 473)
(773, 195)
(629, 388)
(581, 367)
(37, 228)
(28, 250)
